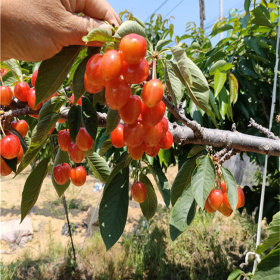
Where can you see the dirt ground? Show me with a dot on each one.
(47, 215)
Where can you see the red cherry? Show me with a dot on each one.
(152, 116)
(20, 155)
(133, 48)
(21, 127)
(150, 151)
(91, 88)
(135, 152)
(139, 192)
(164, 124)
(226, 202)
(75, 153)
(93, 70)
(225, 210)
(152, 93)
(3, 71)
(222, 186)
(64, 140)
(111, 65)
(5, 170)
(9, 146)
(78, 176)
(6, 96)
(208, 207)
(153, 134)
(166, 142)
(133, 134)
(31, 99)
(21, 91)
(83, 140)
(241, 198)
(135, 73)
(130, 112)
(61, 173)
(51, 130)
(117, 93)
(34, 77)
(117, 137)
(215, 198)
(71, 100)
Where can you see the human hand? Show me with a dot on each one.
(34, 30)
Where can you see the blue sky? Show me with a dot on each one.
(182, 10)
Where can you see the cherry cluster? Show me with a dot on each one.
(143, 127)
(218, 200)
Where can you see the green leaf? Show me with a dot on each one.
(203, 179)
(273, 235)
(74, 120)
(182, 180)
(90, 118)
(220, 78)
(269, 267)
(244, 21)
(220, 29)
(53, 71)
(113, 209)
(106, 145)
(245, 68)
(15, 68)
(221, 65)
(32, 187)
(12, 163)
(195, 150)
(149, 206)
(247, 4)
(164, 156)
(113, 120)
(224, 102)
(99, 167)
(231, 187)
(51, 107)
(214, 105)
(61, 157)
(233, 88)
(161, 43)
(182, 213)
(197, 86)
(236, 273)
(262, 17)
(99, 98)
(162, 183)
(252, 43)
(9, 79)
(173, 83)
(129, 27)
(98, 35)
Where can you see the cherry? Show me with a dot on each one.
(31, 99)
(222, 186)
(34, 77)
(61, 173)
(153, 134)
(93, 70)
(20, 155)
(9, 146)
(208, 207)
(21, 91)
(152, 116)
(117, 137)
(166, 142)
(150, 151)
(135, 73)
(52, 129)
(139, 192)
(135, 152)
(133, 134)
(152, 93)
(241, 198)
(75, 153)
(164, 124)
(83, 140)
(225, 210)
(6, 96)
(133, 48)
(21, 127)
(78, 176)
(111, 65)
(3, 71)
(71, 100)
(5, 170)
(64, 140)
(91, 88)
(215, 198)
(130, 112)
(117, 93)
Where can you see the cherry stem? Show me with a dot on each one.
(2, 127)
(154, 73)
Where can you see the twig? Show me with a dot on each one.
(262, 129)
(228, 155)
(221, 153)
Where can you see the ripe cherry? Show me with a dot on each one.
(21, 91)
(153, 134)
(166, 142)
(130, 112)
(21, 127)
(241, 198)
(117, 137)
(75, 153)
(20, 155)
(225, 210)
(78, 175)
(6, 96)
(139, 192)
(3, 71)
(111, 65)
(150, 151)
(133, 48)
(223, 186)
(117, 93)
(52, 129)
(5, 170)
(91, 88)
(61, 173)
(64, 140)
(34, 77)
(164, 124)
(31, 99)
(93, 70)
(152, 116)
(208, 207)
(72, 98)
(215, 198)
(135, 73)
(9, 146)
(135, 152)
(133, 134)
(152, 93)
(83, 140)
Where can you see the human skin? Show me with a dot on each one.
(35, 30)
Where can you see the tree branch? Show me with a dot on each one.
(262, 129)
